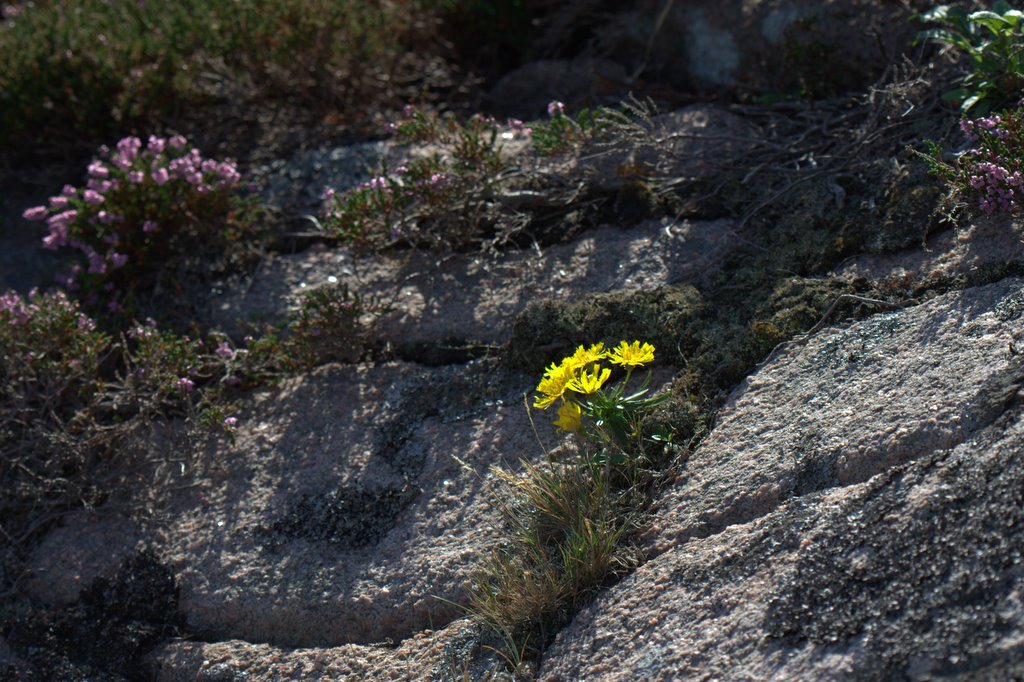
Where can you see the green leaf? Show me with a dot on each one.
(956, 95)
(971, 101)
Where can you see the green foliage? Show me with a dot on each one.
(439, 199)
(562, 134)
(993, 43)
(331, 322)
(90, 69)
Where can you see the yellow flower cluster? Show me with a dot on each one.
(581, 373)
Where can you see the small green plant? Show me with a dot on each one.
(570, 520)
(988, 174)
(332, 321)
(993, 42)
(562, 133)
(145, 212)
(440, 198)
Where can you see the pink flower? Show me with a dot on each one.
(117, 260)
(230, 422)
(185, 385)
(149, 226)
(556, 108)
(156, 144)
(98, 170)
(161, 176)
(58, 202)
(136, 177)
(93, 197)
(69, 191)
(97, 265)
(224, 350)
(35, 213)
(177, 142)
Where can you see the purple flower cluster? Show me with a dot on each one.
(130, 192)
(991, 170)
(15, 310)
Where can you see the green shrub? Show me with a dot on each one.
(439, 199)
(92, 69)
(993, 43)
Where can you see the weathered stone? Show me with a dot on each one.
(475, 298)
(855, 514)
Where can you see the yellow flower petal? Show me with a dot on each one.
(590, 382)
(631, 354)
(568, 416)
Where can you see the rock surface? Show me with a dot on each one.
(855, 514)
(476, 298)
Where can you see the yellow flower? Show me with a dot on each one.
(585, 356)
(590, 382)
(631, 354)
(553, 385)
(568, 416)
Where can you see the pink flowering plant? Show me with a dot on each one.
(563, 133)
(436, 198)
(145, 211)
(988, 174)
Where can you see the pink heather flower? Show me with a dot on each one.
(161, 176)
(98, 170)
(35, 213)
(156, 144)
(378, 183)
(149, 226)
(195, 178)
(117, 260)
(97, 265)
(185, 385)
(209, 166)
(224, 350)
(92, 197)
(230, 422)
(516, 125)
(69, 191)
(556, 108)
(122, 162)
(62, 219)
(408, 111)
(402, 170)
(58, 202)
(129, 147)
(177, 142)
(328, 193)
(136, 177)
(101, 186)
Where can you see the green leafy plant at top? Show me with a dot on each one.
(993, 42)
(437, 199)
(569, 520)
